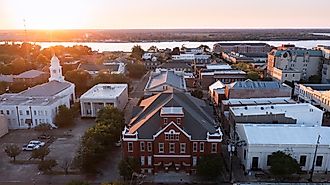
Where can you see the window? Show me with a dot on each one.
(27, 112)
(244, 154)
(302, 160)
(142, 160)
(182, 148)
(178, 121)
(130, 146)
(161, 147)
(194, 161)
(149, 160)
(268, 160)
(149, 144)
(172, 135)
(194, 146)
(214, 148)
(7, 111)
(1, 111)
(172, 148)
(35, 112)
(319, 160)
(165, 120)
(142, 147)
(201, 147)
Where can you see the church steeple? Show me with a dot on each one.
(55, 70)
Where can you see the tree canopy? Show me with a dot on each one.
(136, 70)
(12, 151)
(128, 166)
(99, 139)
(137, 52)
(282, 164)
(64, 117)
(210, 166)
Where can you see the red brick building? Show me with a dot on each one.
(170, 131)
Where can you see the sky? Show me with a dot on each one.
(162, 14)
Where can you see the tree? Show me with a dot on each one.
(64, 117)
(44, 128)
(65, 165)
(42, 60)
(282, 164)
(205, 48)
(176, 51)
(128, 166)
(75, 182)
(12, 151)
(197, 93)
(99, 139)
(136, 70)
(137, 52)
(253, 75)
(210, 166)
(40, 153)
(47, 165)
(80, 78)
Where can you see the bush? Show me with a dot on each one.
(46, 166)
(40, 153)
(282, 164)
(128, 166)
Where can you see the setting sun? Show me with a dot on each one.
(41, 14)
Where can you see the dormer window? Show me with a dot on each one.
(172, 135)
(178, 121)
(165, 120)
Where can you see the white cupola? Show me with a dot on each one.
(55, 70)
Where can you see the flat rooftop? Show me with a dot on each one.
(218, 66)
(283, 134)
(229, 72)
(104, 91)
(298, 108)
(256, 101)
(318, 87)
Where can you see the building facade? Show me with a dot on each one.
(102, 95)
(241, 47)
(40, 103)
(294, 64)
(300, 142)
(170, 131)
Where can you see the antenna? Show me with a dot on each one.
(26, 41)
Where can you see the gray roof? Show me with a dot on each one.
(318, 87)
(299, 52)
(30, 74)
(249, 84)
(198, 118)
(16, 99)
(6, 78)
(47, 89)
(174, 65)
(166, 77)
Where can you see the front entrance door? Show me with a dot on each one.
(255, 164)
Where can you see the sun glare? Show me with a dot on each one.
(48, 14)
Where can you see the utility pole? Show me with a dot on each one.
(314, 159)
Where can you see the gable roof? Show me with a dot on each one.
(99, 67)
(169, 77)
(47, 89)
(30, 74)
(197, 117)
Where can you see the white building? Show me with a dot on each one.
(303, 114)
(260, 141)
(183, 57)
(316, 94)
(3, 126)
(102, 95)
(38, 104)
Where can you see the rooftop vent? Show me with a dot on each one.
(262, 108)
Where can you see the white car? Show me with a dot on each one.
(37, 143)
(30, 147)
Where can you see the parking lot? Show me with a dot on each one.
(63, 147)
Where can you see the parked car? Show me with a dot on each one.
(36, 142)
(30, 147)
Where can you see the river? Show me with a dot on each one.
(126, 47)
